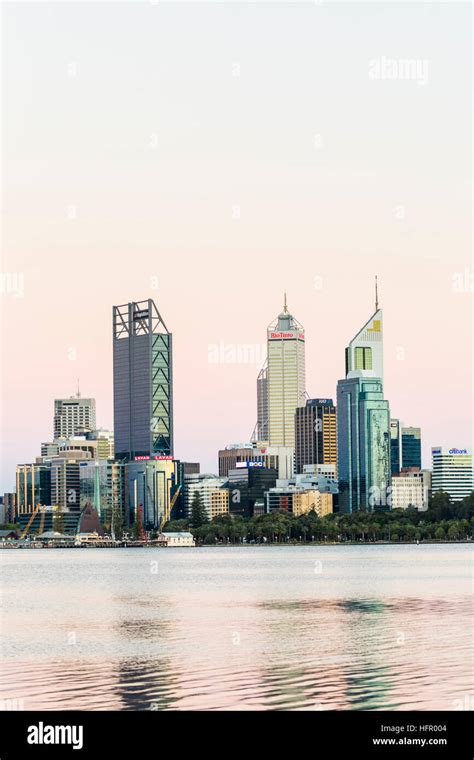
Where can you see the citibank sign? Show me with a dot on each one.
(458, 451)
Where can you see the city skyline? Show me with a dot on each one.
(427, 445)
(192, 184)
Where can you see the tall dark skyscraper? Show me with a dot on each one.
(411, 447)
(315, 433)
(395, 446)
(143, 382)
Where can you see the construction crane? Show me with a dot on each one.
(42, 519)
(141, 533)
(168, 511)
(30, 521)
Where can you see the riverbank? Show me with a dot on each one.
(244, 545)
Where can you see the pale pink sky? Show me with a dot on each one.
(229, 153)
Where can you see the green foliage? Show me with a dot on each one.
(198, 511)
(443, 520)
(176, 526)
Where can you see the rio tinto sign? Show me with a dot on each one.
(286, 336)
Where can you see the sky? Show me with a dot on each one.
(212, 156)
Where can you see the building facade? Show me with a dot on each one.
(247, 485)
(395, 446)
(452, 471)
(298, 501)
(411, 447)
(143, 382)
(178, 539)
(364, 463)
(33, 487)
(205, 486)
(315, 434)
(280, 458)
(149, 487)
(286, 382)
(365, 350)
(9, 502)
(102, 486)
(73, 415)
(105, 443)
(65, 483)
(262, 405)
(410, 489)
(219, 502)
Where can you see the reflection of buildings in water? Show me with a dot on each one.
(62, 685)
(145, 680)
(369, 677)
(146, 683)
(296, 679)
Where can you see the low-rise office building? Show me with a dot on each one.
(410, 488)
(205, 485)
(453, 471)
(297, 500)
(279, 458)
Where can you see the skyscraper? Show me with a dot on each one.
(395, 446)
(315, 433)
(363, 423)
(365, 350)
(143, 382)
(262, 405)
(73, 415)
(285, 377)
(411, 447)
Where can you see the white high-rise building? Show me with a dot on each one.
(286, 382)
(364, 354)
(73, 415)
(452, 471)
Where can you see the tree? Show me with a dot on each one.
(440, 534)
(176, 526)
(198, 511)
(440, 507)
(453, 531)
(117, 523)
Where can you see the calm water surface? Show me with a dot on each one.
(303, 628)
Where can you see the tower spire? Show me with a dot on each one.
(376, 295)
(78, 389)
(285, 307)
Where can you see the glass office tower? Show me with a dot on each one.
(411, 447)
(363, 422)
(395, 446)
(143, 382)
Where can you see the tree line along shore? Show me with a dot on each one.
(442, 521)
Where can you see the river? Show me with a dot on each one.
(245, 628)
